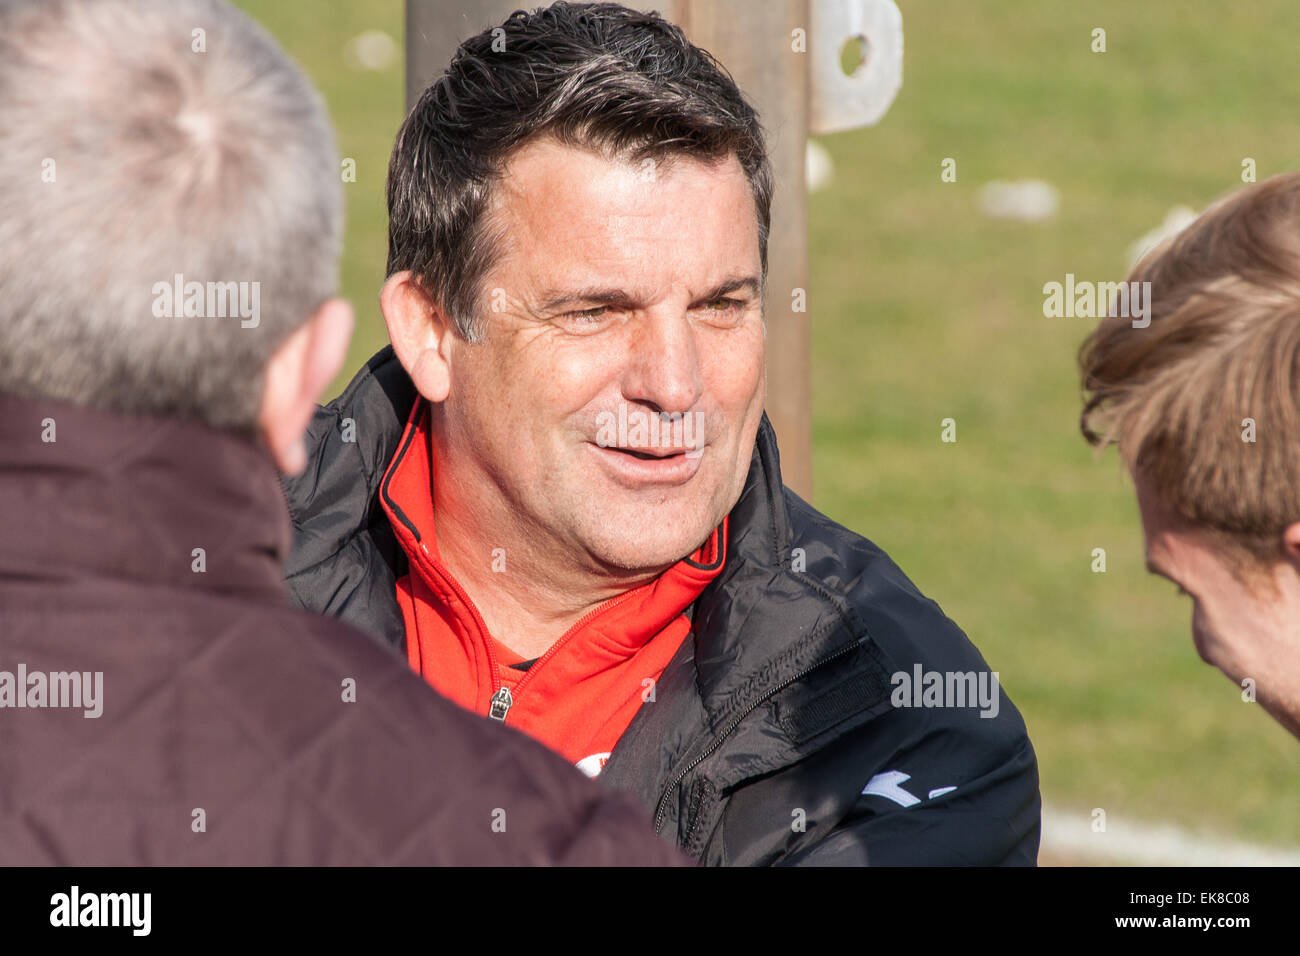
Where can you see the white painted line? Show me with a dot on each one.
(1069, 836)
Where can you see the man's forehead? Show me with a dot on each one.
(596, 223)
(545, 175)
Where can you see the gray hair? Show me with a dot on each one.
(142, 140)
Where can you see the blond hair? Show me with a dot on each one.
(1202, 402)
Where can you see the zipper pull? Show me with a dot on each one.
(501, 703)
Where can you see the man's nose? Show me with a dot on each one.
(664, 365)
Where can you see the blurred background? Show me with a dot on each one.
(926, 300)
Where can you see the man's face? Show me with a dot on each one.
(1245, 630)
(624, 293)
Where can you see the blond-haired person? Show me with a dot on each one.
(1202, 404)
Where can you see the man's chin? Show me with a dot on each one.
(643, 546)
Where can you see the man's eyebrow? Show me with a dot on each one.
(554, 298)
(734, 284)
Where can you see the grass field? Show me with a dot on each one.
(924, 309)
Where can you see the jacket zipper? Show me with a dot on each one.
(717, 741)
(502, 700)
(501, 704)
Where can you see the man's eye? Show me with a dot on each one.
(586, 320)
(727, 305)
(725, 311)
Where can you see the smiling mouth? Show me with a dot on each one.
(651, 455)
(644, 467)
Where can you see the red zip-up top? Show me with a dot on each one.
(580, 695)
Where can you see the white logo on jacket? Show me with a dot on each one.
(890, 786)
(592, 765)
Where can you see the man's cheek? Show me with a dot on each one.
(1216, 645)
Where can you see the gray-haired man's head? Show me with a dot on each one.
(170, 207)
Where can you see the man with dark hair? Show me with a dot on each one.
(170, 222)
(557, 493)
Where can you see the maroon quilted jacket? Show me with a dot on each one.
(161, 703)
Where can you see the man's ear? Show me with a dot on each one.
(421, 334)
(297, 374)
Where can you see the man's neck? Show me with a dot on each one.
(529, 596)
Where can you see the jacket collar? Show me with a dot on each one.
(91, 494)
(744, 651)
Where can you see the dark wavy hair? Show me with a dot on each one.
(599, 76)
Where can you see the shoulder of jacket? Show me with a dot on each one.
(349, 442)
(916, 640)
(376, 405)
(423, 755)
(898, 616)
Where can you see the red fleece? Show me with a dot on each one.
(580, 696)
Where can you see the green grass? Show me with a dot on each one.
(927, 310)
(924, 309)
(367, 107)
